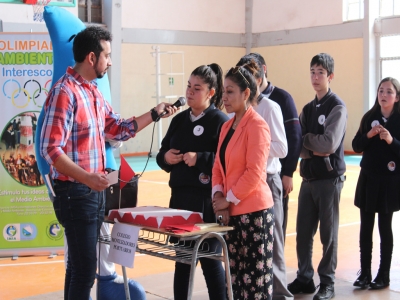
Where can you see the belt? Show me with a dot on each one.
(308, 180)
(341, 178)
(58, 181)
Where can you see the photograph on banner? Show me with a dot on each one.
(17, 149)
(27, 217)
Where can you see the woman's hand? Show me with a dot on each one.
(219, 202)
(223, 216)
(190, 158)
(374, 131)
(172, 157)
(385, 135)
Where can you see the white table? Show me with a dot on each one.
(156, 242)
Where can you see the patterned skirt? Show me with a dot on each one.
(250, 246)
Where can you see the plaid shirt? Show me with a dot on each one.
(77, 121)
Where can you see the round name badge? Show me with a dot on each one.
(321, 119)
(391, 166)
(374, 123)
(204, 178)
(198, 130)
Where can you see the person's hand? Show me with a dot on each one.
(385, 135)
(287, 183)
(169, 108)
(172, 157)
(97, 182)
(219, 202)
(223, 216)
(190, 158)
(374, 131)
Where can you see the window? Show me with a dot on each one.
(90, 11)
(389, 8)
(353, 10)
(390, 56)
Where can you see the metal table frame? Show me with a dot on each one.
(156, 242)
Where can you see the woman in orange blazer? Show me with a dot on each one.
(241, 196)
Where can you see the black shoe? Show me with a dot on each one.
(297, 287)
(325, 292)
(381, 280)
(364, 279)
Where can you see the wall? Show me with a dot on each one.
(138, 83)
(289, 65)
(276, 15)
(288, 68)
(228, 15)
(222, 23)
(205, 15)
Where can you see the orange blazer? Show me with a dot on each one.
(245, 162)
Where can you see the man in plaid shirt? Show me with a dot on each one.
(77, 121)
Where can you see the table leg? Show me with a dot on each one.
(227, 270)
(126, 285)
(226, 262)
(193, 267)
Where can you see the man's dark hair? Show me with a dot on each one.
(260, 61)
(247, 59)
(88, 40)
(324, 60)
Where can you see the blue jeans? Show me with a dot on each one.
(80, 210)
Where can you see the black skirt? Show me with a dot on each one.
(377, 193)
(193, 199)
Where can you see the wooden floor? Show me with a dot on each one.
(42, 277)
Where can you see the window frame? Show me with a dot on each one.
(386, 58)
(346, 9)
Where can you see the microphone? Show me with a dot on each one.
(178, 103)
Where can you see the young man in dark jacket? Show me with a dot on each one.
(323, 124)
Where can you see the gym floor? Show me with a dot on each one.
(41, 277)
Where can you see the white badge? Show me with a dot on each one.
(204, 178)
(198, 130)
(391, 166)
(374, 123)
(321, 119)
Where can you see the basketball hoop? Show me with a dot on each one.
(38, 8)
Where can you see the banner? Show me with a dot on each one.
(27, 218)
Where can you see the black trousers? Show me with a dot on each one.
(386, 235)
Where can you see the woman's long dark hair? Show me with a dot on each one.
(363, 124)
(212, 76)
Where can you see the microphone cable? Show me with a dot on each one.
(149, 154)
(180, 102)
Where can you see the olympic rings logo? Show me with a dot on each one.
(32, 89)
